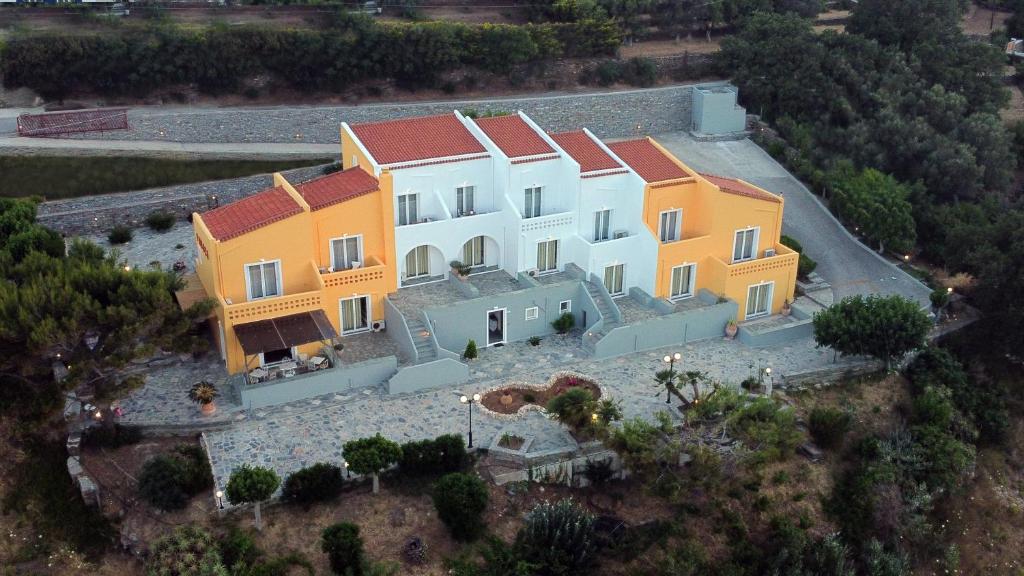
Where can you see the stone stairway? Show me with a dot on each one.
(421, 339)
(592, 337)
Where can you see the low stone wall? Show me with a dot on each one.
(815, 379)
(442, 372)
(98, 214)
(343, 378)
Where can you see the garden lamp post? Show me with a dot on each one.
(671, 361)
(348, 473)
(469, 403)
(220, 499)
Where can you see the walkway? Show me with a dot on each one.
(849, 266)
(249, 151)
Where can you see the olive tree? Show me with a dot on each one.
(883, 327)
(371, 455)
(252, 484)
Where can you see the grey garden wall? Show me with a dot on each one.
(803, 328)
(98, 214)
(608, 114)
(457, 323)
(343, 378)
(443, 372)
(678, 328)
(398, 331)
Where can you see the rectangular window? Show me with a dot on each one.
(565, 306)
(759, 299)
(531, 207)
(613, 279)
(355, 314)
(547, 256)
(473, 252)
(744, 247)
(670, 228)
(346, 251)
(417, 262)
(682, 281)
(602, 224)
(263, 279)
(464, 200)
(532, 313)
(408, 209)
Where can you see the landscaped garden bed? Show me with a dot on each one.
(510, 399)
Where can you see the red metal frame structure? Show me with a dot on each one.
(59, 123)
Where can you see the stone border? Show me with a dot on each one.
(525, 409)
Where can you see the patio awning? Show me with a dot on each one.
(284, 332)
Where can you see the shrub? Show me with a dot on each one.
(939, 298)
(344, 548)
(441, 455)
(764, 423)
(114, 436)
(573, 408)
(791, 243)
(470, 352)
(564, 323)
(804, 266)
(885, 327)
(640, 72)
(828, 426)
(160, 221)
(608, 72)
(196, 473)
(371, 455)
(237, 548)
(599, 472)
(317, 483)
(252, 484)
(559, 537)
(460, 501)
(120, 235)
(534, 340)
(161, 483)
(187, 551)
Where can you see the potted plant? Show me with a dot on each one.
(787, 309)
(462, 270)
(204, 393)
(731, 328)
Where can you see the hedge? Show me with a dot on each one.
(218, 59)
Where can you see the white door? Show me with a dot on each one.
(682, 281)
(408, 209)
(613, 279)
(496, 326)
(355, 314)
(417, 262)
(345, 252)
(759, 299)
(547, 255)
(473, 252)
(602, 224)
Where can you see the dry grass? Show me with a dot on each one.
(981, 21)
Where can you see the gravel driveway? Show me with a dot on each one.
(851, 267)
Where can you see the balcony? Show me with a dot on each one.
(424, 220)
(471, 213)
(550, 221)
(275, 306)
(784, 258)
(616, 237)
(371, 270)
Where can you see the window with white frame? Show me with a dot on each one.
(408, 209)
(602, 225)
(744, 247)
(565, 306)
(613, 278)
(417, 262)
(531, 204)
(473, 252)
(263, 280)
(682, 281)
(346, 252)
(465, 201)
(532, 313)
(670, 227)
(355, 314)
(547, 255)
(759, 299)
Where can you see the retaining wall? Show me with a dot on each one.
(343, 378)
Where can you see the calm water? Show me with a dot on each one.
(55, 177)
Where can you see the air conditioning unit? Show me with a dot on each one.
(769, 252)
(378, 326)
(620, 234)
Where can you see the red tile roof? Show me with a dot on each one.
(584, 150)
(734, 186)
(250, 213)
(514, 136)
(647, 160)
(338, 187)
(420, 138)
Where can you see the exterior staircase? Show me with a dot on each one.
(421, 340)
(605, 308)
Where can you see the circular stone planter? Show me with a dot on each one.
(497, 395)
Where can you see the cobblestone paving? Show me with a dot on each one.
(289, 437)
(148, 246)
(496, 282)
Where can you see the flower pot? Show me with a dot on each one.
(731, 330)
(506, 399)
(786, 310)
(208, 408)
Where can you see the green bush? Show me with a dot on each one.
(564, 323)
(441, 455)
(237, 548)
(344, 548)
(114, 436)
(939, 297)
(608, 72)
(320, 482)
(120, 235)
(470, 352)
(828, 426)
(573, 408)
(640, 72)
(168, 481)
(791, 243)
(764, 423)
(160, 221)
(559, 537)
(461, 500)
(197, 475)
(805, 266)
(187, 551)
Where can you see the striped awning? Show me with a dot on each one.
(284, 332)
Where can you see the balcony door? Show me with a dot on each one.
(408, 209)
(355, 314)
(682, 281)
(346, 253)
(417, 262)
(670, 225)
(473, 252)
(613, 279)
(263, 280)
(744, 246)
(602, 225)
(531, 206)
(759, 299)
(464, 200)
(547, 256)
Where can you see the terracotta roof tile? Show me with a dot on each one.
(514, 136)
(420, 138)
(734, 186)
(338, 187)
(584, 150)
(250, 213)
(647, 160)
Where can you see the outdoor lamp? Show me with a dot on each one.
(469, 404)
(220, 499)
(671, 361)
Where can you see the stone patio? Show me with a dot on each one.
(367, 346)
(633, 311)
(494, 282)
